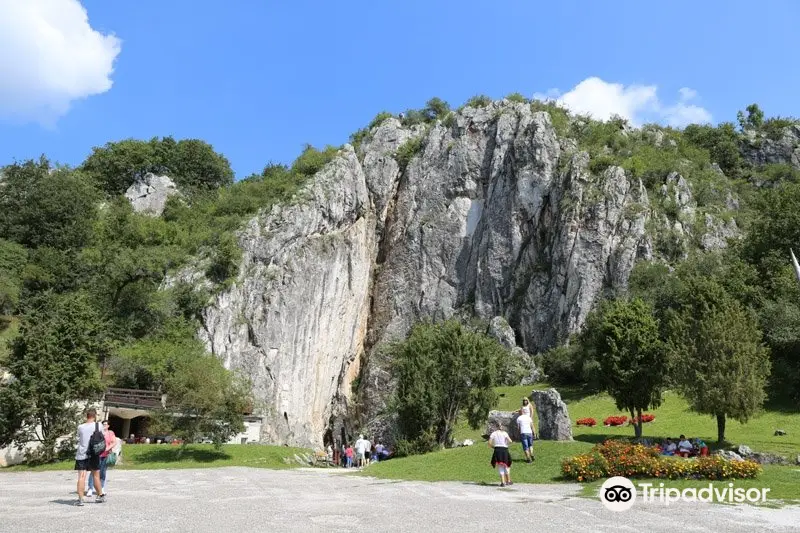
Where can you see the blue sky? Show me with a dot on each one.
(258, 79)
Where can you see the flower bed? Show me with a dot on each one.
(620, 458)
(586, 422)
(615, 420)
(646, 417)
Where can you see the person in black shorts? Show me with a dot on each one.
(85, 461)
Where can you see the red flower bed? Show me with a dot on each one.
(615, 420)
(646, 417)
(586, 422)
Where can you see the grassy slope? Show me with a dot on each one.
(153, 456)
(471, 464)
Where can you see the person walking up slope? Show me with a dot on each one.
(526, 432)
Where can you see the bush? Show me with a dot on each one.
(590, 422)
(621, 458)
(615, 420)
(480, 100)
(646, 417)
(406, 152)
(517, 98)
(569, 364)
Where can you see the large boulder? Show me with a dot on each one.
(506, 420)
(149, 194)
(554, 422)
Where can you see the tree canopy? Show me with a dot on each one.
(443, 370)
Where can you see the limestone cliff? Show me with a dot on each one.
(494, 215)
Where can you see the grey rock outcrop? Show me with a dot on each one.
(506, 420)
(295, 321)
(761, 149)
(729, 455)
(149, 194)
(554, 422)
(494, 216)
(520, 368)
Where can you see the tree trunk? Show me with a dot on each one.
(720, 428)
(638, 427)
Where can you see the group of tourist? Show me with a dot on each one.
(684, 447)
(359, 454)
(98, 447)
(500, 441)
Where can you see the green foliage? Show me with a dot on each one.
(517, 98)
(572, 364)
(722, 143)
(357, 138)
(479, 100)
(719, 362)
(54, 361)
(204, 400)
(407, 151)
(42, 206)
(191, 163)
(13, 258)
(754, 119)
(225, 259)
(559, 116)
(774, 127)
(443, 370)
(311, 160)
(623, 336)
(776, 174)
(436, 109)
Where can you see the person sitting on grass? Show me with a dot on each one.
(684, 447)
(500, 441)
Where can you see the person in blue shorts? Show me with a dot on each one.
(526, 431)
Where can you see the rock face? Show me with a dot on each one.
(760, 149)
(296, 320)
(554, 422)
(149, 194)
(494, 216)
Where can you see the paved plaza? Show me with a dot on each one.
(246, 499)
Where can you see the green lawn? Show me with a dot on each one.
(471, 464)
(154, 456)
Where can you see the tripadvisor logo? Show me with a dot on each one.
(619, 494)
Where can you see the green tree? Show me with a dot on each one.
(191, 163)
(624, 337)
(203, 398)
(42, 206)
(720, 363)
(435, 109)
(13, 258)
(754, 119)
(443, 370)
(54, 364)
(722, 143)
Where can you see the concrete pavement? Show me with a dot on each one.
(249, 499)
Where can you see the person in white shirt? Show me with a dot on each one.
(685, 447)
(526, 432)
(499, 441)
(360, 447)
(367, 451)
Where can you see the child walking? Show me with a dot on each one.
(500, 441)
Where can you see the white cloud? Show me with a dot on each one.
(51, 57)
(636, 103)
